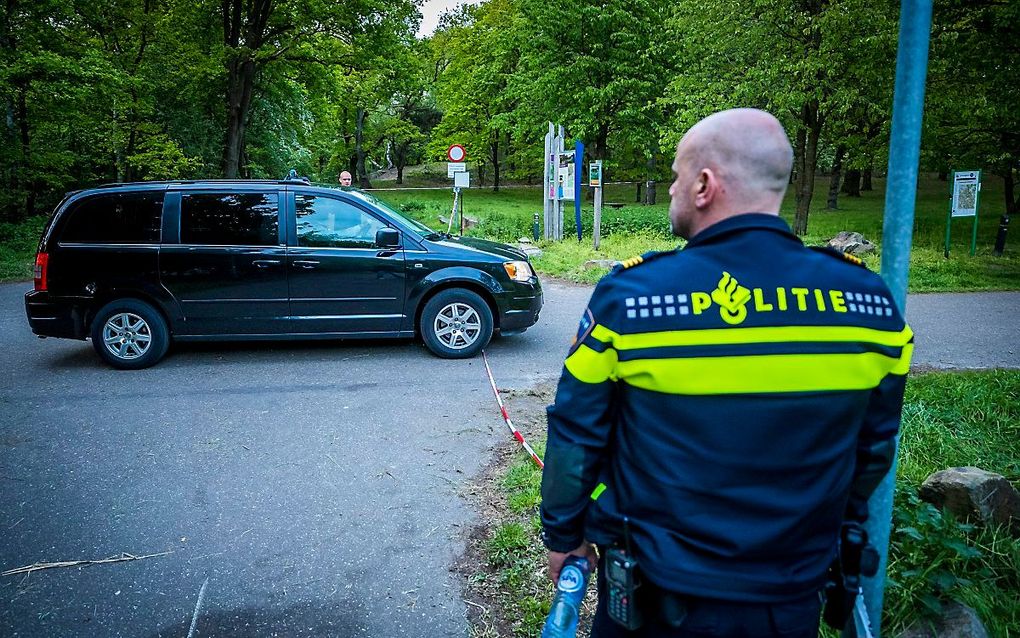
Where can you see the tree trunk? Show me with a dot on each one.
(401, 155)
(129, 172)
(240, 81)
(639, 198)
(244, 30)
(866, 179)
(837, 173)
(1012, 203)
(494, 149)
(508, 154)
(811, 130)
(359, 149)
(601, 142)
(852, 184)
(26, 152)
(650, 180)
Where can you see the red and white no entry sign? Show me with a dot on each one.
(456, 153)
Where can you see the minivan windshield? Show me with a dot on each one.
(418, 227)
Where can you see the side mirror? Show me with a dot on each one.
(387, 238)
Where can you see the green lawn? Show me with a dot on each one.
(635, 229)
(949, 419)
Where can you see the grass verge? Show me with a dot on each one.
(949, 419)
(18, 243)
(633, 229)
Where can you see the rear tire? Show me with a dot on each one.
(456, 324)
(129, 334)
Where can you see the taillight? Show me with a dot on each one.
(42, 261)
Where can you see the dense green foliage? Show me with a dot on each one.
(167, 89)
(949, 419)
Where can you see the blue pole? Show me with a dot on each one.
(900, 196)
(578, 181)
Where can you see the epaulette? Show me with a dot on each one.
(640, 259)
(847, 257)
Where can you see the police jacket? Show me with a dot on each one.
(736, 400)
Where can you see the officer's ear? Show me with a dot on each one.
(707, 186)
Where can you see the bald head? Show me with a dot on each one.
(732, 162)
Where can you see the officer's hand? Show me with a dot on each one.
(556, 559)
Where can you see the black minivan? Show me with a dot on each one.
(134, 266)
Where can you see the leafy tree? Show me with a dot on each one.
(787, 56)
(972, 117)
(259, 33)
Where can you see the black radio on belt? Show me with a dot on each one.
(624, 581)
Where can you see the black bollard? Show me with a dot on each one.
(1000, 239)
(535, 228)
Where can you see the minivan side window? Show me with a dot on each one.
(230, 219)
(115, 218)
(324, 222)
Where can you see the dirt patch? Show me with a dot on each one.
(492, 609)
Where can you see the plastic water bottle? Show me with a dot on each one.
(566, 607)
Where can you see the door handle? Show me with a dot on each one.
(307, 264)
(266, 263)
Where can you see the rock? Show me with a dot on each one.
(530, 251)
(600, 263)
(971, 491)
(850, 242)
(524, 240)
(469, 222)
(956, 621)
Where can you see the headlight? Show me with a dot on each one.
(519, 270)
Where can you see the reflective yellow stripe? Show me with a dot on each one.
(761, 374)
(597, 492)
(903, 365)
(773, 334)
(589, 366)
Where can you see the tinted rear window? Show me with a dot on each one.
(115, 218)
(231, 219)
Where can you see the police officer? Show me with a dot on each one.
(725, 408)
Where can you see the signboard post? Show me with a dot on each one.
(456, 169)
(578, 182)
(964, 203)
(595, 181)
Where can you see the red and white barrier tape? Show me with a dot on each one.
(506, 417)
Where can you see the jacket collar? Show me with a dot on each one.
(745, 221)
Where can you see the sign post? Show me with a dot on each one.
(595, 181)
(964, 203)
(578, 184)
(456, 170)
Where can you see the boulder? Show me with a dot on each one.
(469, 222)
(524, 240)
(530, 250)
(600, 263)
(956, 621)
(850, 242)
(973, 492)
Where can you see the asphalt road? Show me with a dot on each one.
(312, 488)
(303, 489)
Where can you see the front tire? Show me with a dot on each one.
(129, 334)
(456, 324)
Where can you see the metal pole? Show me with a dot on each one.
(900, 196)
(547, 185)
